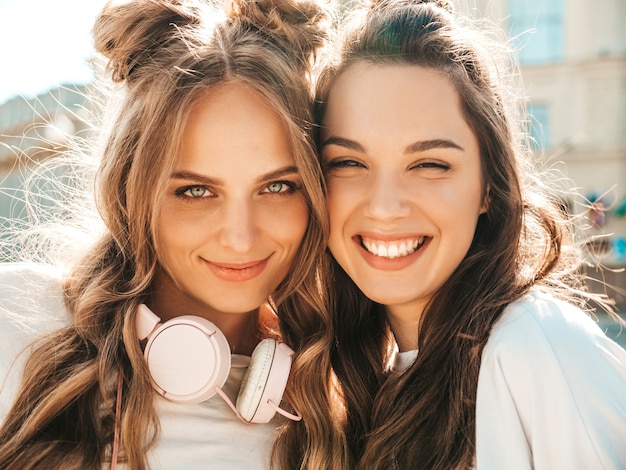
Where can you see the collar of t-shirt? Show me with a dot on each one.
(403, 360)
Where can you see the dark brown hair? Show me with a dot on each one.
(425, 417)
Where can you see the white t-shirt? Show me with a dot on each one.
(193, 436)
(551, 391)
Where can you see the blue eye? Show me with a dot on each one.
(193, 192)
(196, 191)
(280, 187)
(275, 187)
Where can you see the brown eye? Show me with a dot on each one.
(432, 165)
(343, 163)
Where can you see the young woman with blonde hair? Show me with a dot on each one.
(214, 221)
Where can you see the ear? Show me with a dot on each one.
(486, 200)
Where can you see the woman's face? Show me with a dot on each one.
(404, 182)
(234, 213)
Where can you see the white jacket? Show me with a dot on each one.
(551, 391)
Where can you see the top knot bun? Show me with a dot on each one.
(131, 33)
(444, 4)
(297, 26)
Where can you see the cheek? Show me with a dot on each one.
(341, 200)
(296, 228)
(343, 214)
(460, 213)
(170, 241)
(179, 229)
(460, 201)
(287, 223)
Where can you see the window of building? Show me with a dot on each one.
(540, 125)
(537, 27)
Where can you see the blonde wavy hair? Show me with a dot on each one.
(163, 55)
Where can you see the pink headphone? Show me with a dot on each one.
(189, 361)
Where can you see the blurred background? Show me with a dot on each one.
(573, 58)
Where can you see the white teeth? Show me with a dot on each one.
(382, 250)
(392, 249)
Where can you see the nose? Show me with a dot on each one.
(238, 229)
(388, 198)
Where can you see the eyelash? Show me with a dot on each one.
(180, 193)
(291, 186)
(348, 163)
(342, 163)
(435, 165)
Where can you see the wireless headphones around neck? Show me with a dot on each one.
(189, 360)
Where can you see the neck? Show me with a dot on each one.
(242, 332)
(242, 329)
(404, 323)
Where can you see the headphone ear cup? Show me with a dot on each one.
(264, 382)
(188, 357)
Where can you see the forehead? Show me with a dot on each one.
(233, 125)
(409, 87)
(397, 103)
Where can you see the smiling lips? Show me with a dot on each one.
(238, 272)
(394, 248)
(385, 249)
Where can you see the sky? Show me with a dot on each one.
(44, 43)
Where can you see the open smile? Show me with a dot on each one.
(392, 249)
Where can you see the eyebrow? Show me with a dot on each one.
(341, 142)
(423, 145)
(415, 147)
(190, 175)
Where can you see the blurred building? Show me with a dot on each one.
(573, 58)
(31, 131)
(41, 125)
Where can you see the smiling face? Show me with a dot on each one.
(234, 214)
(404, 182)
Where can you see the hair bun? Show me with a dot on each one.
(130, 33)
(443, 4)
(297, 26)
